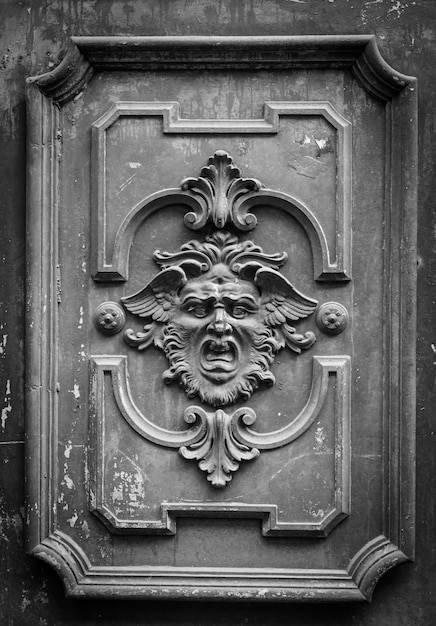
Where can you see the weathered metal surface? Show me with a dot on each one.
(220, 309)
(33, 37)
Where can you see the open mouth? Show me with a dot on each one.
(219, 356)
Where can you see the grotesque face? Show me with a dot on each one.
(219, 310)
(216, 341)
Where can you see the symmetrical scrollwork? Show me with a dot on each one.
(218, 187)
(220, 441)
(221, 311)
(219, 451)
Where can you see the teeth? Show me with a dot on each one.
(222, 356)
(219, 351)
(219, 347)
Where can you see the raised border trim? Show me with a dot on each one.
(358, 52)
(45, 94)
(82, 579)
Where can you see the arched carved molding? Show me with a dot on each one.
(117, 366)
(326, 269)
(323, 367)
(118, 268)
(82, 579)
(358, 52)
(218, 440)
(243, 418)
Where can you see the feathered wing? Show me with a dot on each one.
(281, 303)
(155, 302)
(156, 299)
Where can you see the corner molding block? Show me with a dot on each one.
(82, 579)
(325, 268)
(68, 79)
(87, 54)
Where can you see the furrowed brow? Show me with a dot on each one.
(243, 300)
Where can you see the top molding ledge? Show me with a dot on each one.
(357, 52)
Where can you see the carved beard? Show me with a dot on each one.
(175, 342)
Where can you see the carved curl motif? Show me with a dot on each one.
(221, 311)
(218, 188)
(219, 452)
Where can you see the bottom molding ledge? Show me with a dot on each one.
(83, 580)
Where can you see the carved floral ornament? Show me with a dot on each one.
(220, 310)
(219, 188)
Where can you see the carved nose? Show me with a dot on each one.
(220, 326)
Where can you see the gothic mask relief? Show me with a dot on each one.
(221, 311)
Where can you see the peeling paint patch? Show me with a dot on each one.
(25, 602)
(242, 148)
(67, 450)
(11, 522)
(80, 318)
(76, 391)
(67, 480)
(3, 343)
(397, 9)
(61, 500)
(320, 440)
(305, 140)
(85, 529)
(316, 511)
(8, 407)
(73, 519)
(128, 487)
(324, 145)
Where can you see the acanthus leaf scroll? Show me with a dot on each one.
(218, 188)
(221, 311)
(218, 451)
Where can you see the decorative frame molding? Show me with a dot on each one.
(326, 267)
(356, 52)
(82, 579)
(48, 92)
(241, 420)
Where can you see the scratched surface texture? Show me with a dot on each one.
(34, 37)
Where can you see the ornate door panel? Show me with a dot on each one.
(221, 317)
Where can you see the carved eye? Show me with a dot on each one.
(239, 312)
(199, 310)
